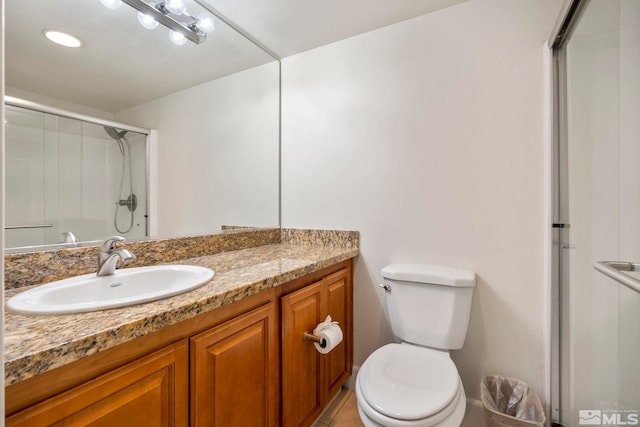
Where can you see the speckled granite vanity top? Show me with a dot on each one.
(35, 344)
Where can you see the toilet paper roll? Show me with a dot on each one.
(331, 336)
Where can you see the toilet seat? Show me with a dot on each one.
(409, 385)
(451, 416)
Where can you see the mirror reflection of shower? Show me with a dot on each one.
(65, 171)
(131, 202)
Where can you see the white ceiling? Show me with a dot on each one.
(287, 27)
(122, 65)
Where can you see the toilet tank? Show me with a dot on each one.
(429, 305)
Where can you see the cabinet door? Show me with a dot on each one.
(337, 364)
(152, 391)
(301, 383)
(234, 372)
(311, 379)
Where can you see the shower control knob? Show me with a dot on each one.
(386, 288)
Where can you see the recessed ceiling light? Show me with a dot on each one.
(62, 39)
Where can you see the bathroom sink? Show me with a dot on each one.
(90, 292)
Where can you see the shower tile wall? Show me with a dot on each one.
(25, 168)
(66, 173)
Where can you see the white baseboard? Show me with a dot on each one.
(474, 416)
(351, 382)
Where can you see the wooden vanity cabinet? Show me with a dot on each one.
(243, 364)
(234, 372)
(151, 391)
(146, 382)
(310, 379)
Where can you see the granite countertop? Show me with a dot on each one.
(35, 344)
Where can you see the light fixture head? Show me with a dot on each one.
(173, 15)
(176, 7)
(147, 21)
(62, 39)
(205, 23)
(177, 38)
(112, 4)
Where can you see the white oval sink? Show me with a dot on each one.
(126, 287)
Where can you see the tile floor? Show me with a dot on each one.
(341, 412)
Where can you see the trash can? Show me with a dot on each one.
(509, 402)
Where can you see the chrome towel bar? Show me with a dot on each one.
(20, 227)
(616, 270)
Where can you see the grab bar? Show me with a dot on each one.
(20, 227)
(616, 269)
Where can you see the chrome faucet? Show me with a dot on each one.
(108, 256)
(69, 237)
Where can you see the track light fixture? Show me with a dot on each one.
(173, 15)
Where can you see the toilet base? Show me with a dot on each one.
(450, 422)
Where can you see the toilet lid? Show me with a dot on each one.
(408, 382)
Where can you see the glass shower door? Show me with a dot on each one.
(600, 320)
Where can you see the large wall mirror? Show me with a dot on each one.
(187, 132)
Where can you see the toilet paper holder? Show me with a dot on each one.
(308, 336)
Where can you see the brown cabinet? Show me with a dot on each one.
(301, 382)
(311, 379)
(233, 372)
(151, 391)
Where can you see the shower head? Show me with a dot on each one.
(113, 132)
(117, 136)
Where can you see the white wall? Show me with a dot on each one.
(427, 136)
(217, 151)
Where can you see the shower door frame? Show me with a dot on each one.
(560, 227)
(150, 142)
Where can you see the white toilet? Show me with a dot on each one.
(416, 384)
